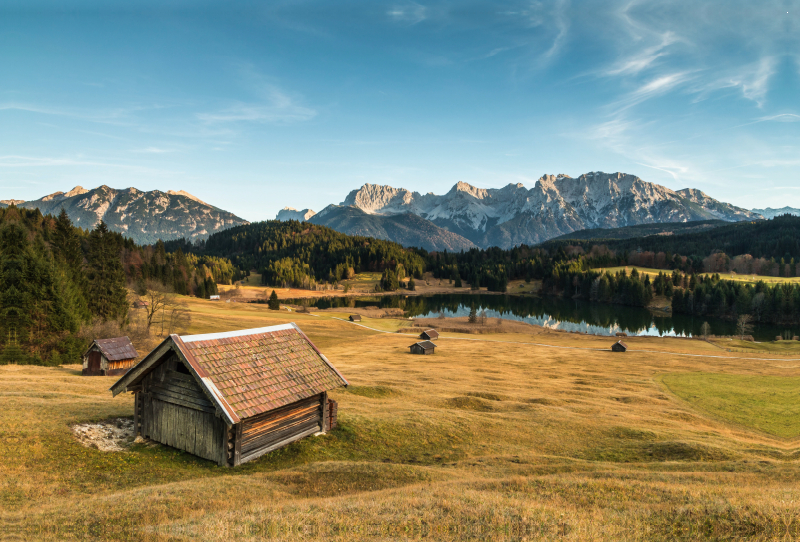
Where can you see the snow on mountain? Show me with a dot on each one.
(769, 212)
(557, 204)
(145, 217)
(290, 213)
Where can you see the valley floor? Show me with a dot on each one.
(513, 436)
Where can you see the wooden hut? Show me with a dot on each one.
(621, 334)
(139, 304)
(109, 357)
(355, 317)
(232, 397)
(619, 346)
(429, 335)
(424, 348)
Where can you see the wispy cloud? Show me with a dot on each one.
(152, 150)
(409, 14)
(638, 62)
(751, 80)
(271, 103)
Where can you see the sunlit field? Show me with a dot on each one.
(723, 276)
(511, 436)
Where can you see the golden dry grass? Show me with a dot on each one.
(515, 436)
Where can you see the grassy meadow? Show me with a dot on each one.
(515, 436)
(751, 279)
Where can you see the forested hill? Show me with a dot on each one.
(640, 230)
(56, 278)
(776, 238)
(299, 253)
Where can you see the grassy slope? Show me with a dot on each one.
(766, 403)
(498, 439)
(724, 276)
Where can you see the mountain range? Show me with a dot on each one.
(145, 217)
(769, 212)
(513, 215)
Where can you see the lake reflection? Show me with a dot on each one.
(549, 312)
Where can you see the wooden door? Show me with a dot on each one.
(94, 361)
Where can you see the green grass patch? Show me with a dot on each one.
(770, 404)
(373, 392)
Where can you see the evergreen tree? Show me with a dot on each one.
(107, 295)
(473, 314)
(274, 303)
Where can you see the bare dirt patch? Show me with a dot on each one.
(114, 435)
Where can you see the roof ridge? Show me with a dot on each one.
(236, 333)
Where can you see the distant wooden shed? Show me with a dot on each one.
(355, 317)
(424, 348)
(619, 346)
(232, 397)
(429, 335)
(109, 357)
(139, 304)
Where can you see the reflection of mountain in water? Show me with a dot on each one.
(552, 313)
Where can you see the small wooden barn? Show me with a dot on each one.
(619, 346)
(109, 357)
(424, 348)
(355, 317)
(232, 397)
(621, 334)
(139, 304)
(429, 335)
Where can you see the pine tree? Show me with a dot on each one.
(107, 295)
(473, 314)
(274, 303)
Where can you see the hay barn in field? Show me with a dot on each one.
(423, 348)
(355, 317)
(429, 335)
(232, 397)
(619, 346)
(109, 357)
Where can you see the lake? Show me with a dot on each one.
(551, 312)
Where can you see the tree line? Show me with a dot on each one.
(56, 278)
(301, 255)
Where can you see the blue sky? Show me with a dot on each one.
(253, 106)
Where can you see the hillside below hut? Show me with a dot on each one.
(232, 397)
(109, 357)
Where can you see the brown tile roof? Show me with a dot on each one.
(116, 349)
(425, 345)
(429, 334)
(258, 370)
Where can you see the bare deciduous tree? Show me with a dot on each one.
(743, 325)
(705, 330)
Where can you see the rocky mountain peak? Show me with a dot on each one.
(145, 217)
(557, 204)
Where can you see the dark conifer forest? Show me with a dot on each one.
(56, 278)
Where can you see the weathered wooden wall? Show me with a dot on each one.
(271, 430)
(172, 409)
